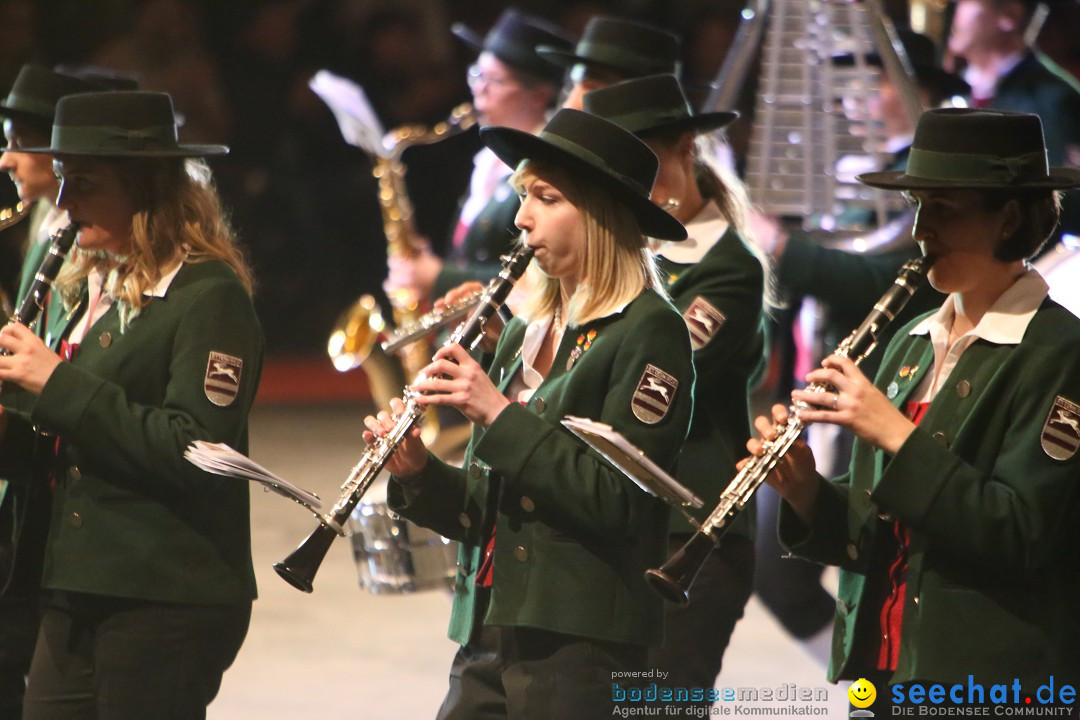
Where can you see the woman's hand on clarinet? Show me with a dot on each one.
(411, 456)
(28, 362)
(855, 403)
(454, 379)
(494, 327)
(795, 477)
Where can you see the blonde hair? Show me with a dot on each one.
(615, 265)
(178, 218)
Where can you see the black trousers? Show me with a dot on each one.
(789, 587)
(696, 636)
(105, 658)
(18, 631)
(529, 674)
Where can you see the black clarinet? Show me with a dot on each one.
(299, 568)
(674, 579)
(33, 303)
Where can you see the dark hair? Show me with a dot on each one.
(1039, 210)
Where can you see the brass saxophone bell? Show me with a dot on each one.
(11, 215)
(355, 333)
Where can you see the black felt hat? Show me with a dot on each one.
(598, 150)
(119, 124)
(651, 104)
(514, 38)
(631, 48)
(924, 62)
(964, 148)
(37, 90)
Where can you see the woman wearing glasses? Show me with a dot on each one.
(512, 87)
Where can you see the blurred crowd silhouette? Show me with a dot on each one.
(302, 199)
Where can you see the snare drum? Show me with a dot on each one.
(395, 556)
(1060, 267)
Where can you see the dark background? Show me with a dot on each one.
(302, 200)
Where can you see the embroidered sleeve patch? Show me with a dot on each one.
(222, 381)
(1061, 432)
(654, 394)
(703, 321)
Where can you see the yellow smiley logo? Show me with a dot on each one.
(862, 693)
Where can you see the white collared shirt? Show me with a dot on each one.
(528, 380)
(703, 231)
(984, 84)
(99, 302)
(1003, 324)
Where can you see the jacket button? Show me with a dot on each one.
(885, 517)
(76, 520)
(540, 404)
(106, 339)
(915, 600)
(852, 551)
(74, 474)
(521, 554)
(940, 437)
(474, 470)
(465, 520)
(527, 504)
(963, 388)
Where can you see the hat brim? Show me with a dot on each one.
(180, 151)
(513, 146)
(941, 79)
(1057, 179)
(705, 122)
(562, 57)
(467, 35)
(24, 116)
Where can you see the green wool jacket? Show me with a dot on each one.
(720, 299)
(573, 535)
(992, 575)
(131, 517)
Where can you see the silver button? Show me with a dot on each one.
(474, 470)
(106, 339)
(527, 504)
(540, 404)
(940, 437)
(915, 600)
(76, 520)
(852, 551)
(521, 554)
(892, 390)
(74, 474)
(963, 388)
(885, 517)
(465, 520)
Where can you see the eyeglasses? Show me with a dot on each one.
(477, 77)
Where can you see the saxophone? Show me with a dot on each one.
(8, 217)
(353, 343)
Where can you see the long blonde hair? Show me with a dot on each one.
(615, 265)
(178, 218)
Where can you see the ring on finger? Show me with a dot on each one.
(835, 400)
